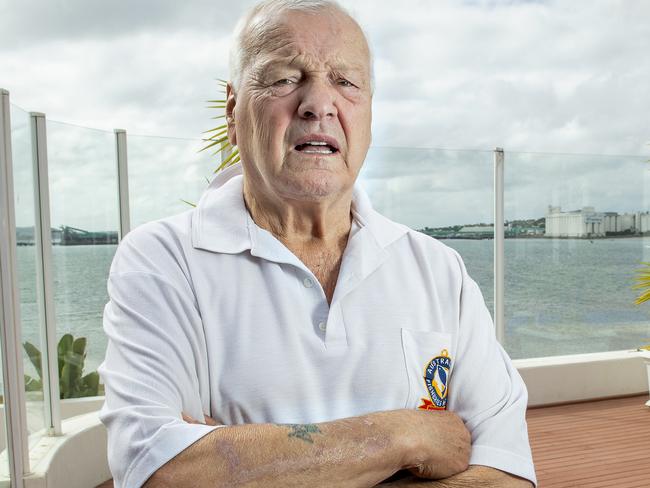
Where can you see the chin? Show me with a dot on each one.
(314, 188)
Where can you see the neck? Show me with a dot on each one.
(298, 223)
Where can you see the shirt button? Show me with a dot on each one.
(322, 326)
(308, 282)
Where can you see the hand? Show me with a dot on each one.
(441, 444)
(208, 420)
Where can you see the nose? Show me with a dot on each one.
(318, 101)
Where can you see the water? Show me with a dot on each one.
(562, 296)
(79, 276)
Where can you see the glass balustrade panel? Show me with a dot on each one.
(85, 222)
(447, 194)
(576, 228)
(166, 175)
(31, 327)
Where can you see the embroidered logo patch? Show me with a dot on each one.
(436, 379)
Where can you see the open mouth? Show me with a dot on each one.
(316, 147)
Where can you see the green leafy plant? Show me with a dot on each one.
(71, 354)
(219, 138)
(643, 283)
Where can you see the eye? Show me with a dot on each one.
(344, 82)
(283, 82)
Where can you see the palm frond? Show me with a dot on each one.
(214, 143)
(642, 280)
(229, 161)
(219, 135)
(225, 146)
(216, 135)
(216, 128)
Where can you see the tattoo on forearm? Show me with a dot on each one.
(303, 431)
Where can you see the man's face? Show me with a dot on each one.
(303, 110)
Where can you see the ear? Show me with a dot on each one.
(230, 113)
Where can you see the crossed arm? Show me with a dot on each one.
(355, 452)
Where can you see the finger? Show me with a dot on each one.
(210, 421)
(422, 471)
(189, 419)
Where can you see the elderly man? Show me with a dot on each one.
(318, 343)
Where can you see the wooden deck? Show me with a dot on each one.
(598, 444)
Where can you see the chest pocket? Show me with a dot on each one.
(429, 360)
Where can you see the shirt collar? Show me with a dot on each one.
(221, 223)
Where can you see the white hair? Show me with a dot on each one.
(252, 28)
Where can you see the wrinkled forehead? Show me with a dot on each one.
(321, 37)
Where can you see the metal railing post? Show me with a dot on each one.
(45, 282)
(499, 236)
(122, 182)
(12, 361)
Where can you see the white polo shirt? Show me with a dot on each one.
(210, 313)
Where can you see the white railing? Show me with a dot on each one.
(43, 240)
(12, 365)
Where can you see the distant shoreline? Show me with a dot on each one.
(465, 238)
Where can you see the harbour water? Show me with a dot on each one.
(565, 296)
(562, 296)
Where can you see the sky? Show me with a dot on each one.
(562, 86)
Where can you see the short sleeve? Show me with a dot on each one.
(487, 392)
(150, 368)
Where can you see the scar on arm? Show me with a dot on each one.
(302, 431)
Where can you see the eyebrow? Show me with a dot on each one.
(294, 62)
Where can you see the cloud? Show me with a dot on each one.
(31, 22)
(513, 75)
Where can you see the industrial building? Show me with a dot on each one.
(586, 222)
(476, 232)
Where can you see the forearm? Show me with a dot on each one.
(474, 477)
(353, 452)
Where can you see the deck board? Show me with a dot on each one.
(597, 444)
